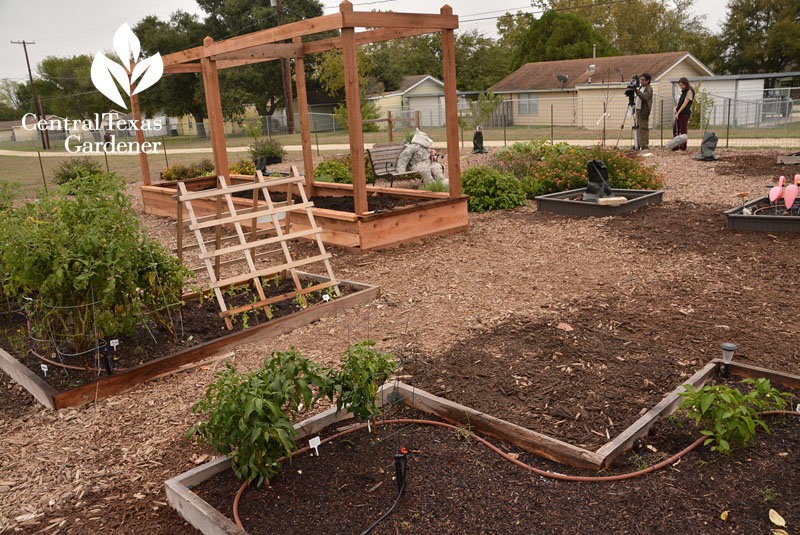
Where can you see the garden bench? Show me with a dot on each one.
(383, 159)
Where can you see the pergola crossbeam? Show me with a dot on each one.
(263, 52)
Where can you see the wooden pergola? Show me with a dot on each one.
(270, 44)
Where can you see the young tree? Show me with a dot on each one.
(558, 36)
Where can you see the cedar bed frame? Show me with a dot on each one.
(209, 521)
(111, 385)
(361, 231)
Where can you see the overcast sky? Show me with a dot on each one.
(71, 27)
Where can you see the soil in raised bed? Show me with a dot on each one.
(195, 323)
(376, 203)
(456, 485)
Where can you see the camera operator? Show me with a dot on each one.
(644, 101)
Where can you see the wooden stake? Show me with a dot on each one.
(450, 106)
(143, 163)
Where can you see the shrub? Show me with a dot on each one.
(76, 167)
(270, 149)
(489, 189)
(243, 167)
(356, 385)
(86, 250)
(435, 186)
(8, 193)
(728, 417)
(204, 167)
(334, 170)
(625, 172)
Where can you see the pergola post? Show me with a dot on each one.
(214, 108)
(451, 106)
(143, 163)
(305, 124)
(353, 98)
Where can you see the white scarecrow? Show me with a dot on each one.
(416, 157)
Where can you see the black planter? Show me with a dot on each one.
(563, 203)
(761, 223)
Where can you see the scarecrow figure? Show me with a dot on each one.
(418, 157)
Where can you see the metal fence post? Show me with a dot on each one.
(728, 128)
(661, 120)
(552, 137)
(41, 166)
(505, 143)
(603, 143)
(164, 144)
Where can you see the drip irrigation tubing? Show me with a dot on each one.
(537, 471)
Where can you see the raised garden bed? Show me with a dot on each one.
(144, 358)
(396, 215)
(186, 492)
(765, 217)
(570, 203)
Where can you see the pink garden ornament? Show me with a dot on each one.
(791, 193)
(776, 192)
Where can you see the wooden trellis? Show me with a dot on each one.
(247, 248)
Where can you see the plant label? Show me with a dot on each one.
(44, 369)
(326, 298)
(314, 443)
(114, 343)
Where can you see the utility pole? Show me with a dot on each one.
(286, 73)
(25, 44)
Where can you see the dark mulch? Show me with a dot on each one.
(631, 344)
(194, 323)
(456, 485)
(755, 164)
(375, 203)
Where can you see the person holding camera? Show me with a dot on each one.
(644, 102)
(683, 110)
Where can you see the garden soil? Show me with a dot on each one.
(658, 288)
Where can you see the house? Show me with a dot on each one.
(421, 93)
(7, 130)
(585, 92)
(747, 100)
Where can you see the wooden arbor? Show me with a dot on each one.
(269, 44)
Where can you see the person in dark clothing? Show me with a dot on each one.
(644, 102)
(683, 110)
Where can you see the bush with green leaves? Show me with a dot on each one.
(76, 167)
(270, 149)
(436, 186)
(243, 167)
(334, 170)
(204, 167)
(364, 370)
(489, 189)
(85, 259)
(251, 415)
(728, 417)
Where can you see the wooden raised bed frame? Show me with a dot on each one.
(113, 384)
(442, 215)
(560, 203)
(211, 522)
(437, 214)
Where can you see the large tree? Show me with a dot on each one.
(66, 88)
(761, 36)
(559, 36)
(642, 26)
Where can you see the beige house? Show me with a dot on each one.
(421, 93)
(584, 92)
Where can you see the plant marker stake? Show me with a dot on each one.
(314, 443)
(44, 371)
(326, 298)
(114, 344)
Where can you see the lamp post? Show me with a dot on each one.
(728, 348)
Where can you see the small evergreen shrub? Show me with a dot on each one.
(76, 167)
(489, 189)
(270, 149)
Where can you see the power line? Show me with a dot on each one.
(598, 4)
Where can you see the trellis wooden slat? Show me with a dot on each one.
(207, 194)
(259, 243)
(249, 215)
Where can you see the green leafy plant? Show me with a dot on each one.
(639, 462)
(728, 417)
(334, 170)
(204, 167)
(769, 494)
(489, 189)
(85, 256)
(76, 167)
(435, 186)
(251, 415)
(270, 149)
(480, 110)
(243, 167)
(364, 370)
(8, 194)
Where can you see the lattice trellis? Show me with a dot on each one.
(247, 248)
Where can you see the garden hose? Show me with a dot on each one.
(543, 473)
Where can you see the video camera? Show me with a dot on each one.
(630, 90)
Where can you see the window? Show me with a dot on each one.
(528, 104)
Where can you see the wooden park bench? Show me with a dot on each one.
(383, 159)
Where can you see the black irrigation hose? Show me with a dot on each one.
(387, 513)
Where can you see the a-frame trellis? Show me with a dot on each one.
(247, 248)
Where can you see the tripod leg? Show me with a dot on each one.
(622, 127)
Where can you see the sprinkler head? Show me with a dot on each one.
(728, 349)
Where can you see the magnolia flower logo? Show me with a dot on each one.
(105, 71)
